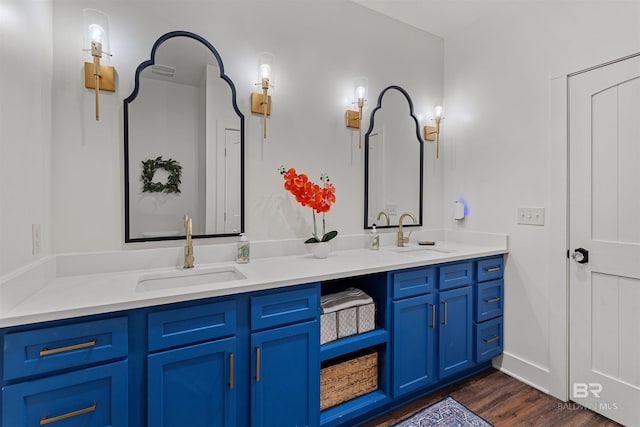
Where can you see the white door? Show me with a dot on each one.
(232, 181)
(604, 147)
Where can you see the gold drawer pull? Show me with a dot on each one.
(492, 269)
(496, 299)
(433, 316)
(46, 420)
(257, 364)
(492, 339)
(45, 351)
(444, 310)
(231, 371)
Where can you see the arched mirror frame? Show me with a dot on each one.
(366, 158)
(133, 96)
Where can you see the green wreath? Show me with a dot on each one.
(149, 168)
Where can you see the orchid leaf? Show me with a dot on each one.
(330, 235)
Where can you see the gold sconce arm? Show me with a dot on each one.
(261, 103)
(354, 119)
(98, 77)
(432, 133)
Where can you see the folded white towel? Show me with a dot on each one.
(350, 297)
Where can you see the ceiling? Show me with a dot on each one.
(440, 17)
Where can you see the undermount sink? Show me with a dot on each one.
(184, 278)
(423, 250)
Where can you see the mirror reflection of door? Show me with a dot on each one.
(376, 168)
(185, 111)
(393, 161)
(223, 199)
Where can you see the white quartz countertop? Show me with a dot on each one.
(56, 295)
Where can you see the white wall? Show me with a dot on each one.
(25, 128)
(320, 47)
(501, 154)
(151, 134)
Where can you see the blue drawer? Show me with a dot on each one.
(172, 328)
(92, 397)
(281, 308)
(490, 269)
(410, 283)
(488, 339)
(456, 275)
(489, 300)
(60, 347)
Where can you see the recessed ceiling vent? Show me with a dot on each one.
(163, 70)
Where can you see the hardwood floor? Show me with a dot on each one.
(504, 402)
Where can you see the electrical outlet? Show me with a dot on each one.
(391, 209)
(36, 239)
(531, 216)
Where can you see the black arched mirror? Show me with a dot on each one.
(183, 144)
(393, 161)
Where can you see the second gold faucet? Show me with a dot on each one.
(188, 249)
(401, 238)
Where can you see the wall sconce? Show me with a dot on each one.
(431, 133)
(261, 102)
(96, 41)
(354, 118)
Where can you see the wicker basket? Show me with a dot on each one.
(348, 379)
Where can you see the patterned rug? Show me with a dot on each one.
(445, 413)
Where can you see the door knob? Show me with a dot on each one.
(580, 255)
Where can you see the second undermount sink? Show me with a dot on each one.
(423, 250)
(184, 278)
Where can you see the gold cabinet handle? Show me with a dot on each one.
(492, 269)
(46, 420)
(45, 351)
(444, 312)
(231, 371)
(492, 339)
(496, 299)
(433, 316)
(257, 364)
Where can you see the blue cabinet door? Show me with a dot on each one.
(456, 331)
(92, 397)
(193, 386)
(285, 376)
(414, 323)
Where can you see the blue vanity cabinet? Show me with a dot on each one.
(455, 339)
(489, 308)
(285, 376)
(70, 374)
(455, 331)
(285, 358)
(413, 329)
(193, 386)
(191, 370)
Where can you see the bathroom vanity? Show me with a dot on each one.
(245, 351)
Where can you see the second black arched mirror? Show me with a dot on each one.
(394, 161)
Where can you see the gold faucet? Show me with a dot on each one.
(188, 249)
(401, 238)
(386, 216)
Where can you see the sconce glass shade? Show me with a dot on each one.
(95, 29)
(360, 89)
(437, 111)
(266, 62)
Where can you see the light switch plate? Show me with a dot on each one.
(531, 216)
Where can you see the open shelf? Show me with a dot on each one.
(353, 343)
(353, 407)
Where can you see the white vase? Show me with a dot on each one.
(320, 250)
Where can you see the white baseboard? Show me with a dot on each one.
(523, 370)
